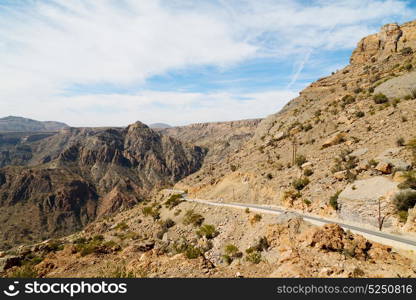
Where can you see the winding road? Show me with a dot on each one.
(380, 236)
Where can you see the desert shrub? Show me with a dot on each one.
(233, 168)
(256, 218)
(300, 183)
(151, 211)
(380, 98)
(307, 202)
(231, 252)
(253, 257)
(122, 226)
(168, 223)
(25, 271)
(403, 215)
(247, 210)
(193, 218)
(408, 67)
(269, 176)
(410, 180)
(173, 201)
(347, 99)
(207, 231)
(192, 252)
(307, 127)
(372, 163)
(406, 51)
(262, 244)
(358, 90)
(227, 259)
(55, 245)
(400, 142)
(357, 272)
(333, 200)
(308, 172)
(405, 199)
(300, 160)
(359, 114)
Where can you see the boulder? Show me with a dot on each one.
(358, 202)
(335, 139)
(384, 167)
(359, 152)
(341, 175)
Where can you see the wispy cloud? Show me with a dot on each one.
(47, 47)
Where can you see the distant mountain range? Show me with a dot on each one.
(19, 124)
(160, 126)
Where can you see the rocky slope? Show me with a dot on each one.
(19, 124)
(172, 238)
(219, 138)
(340, 129)
(79, 174)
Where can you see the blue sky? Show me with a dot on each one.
(107, 62)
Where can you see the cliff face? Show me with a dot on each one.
(87, 173)
(391, 39)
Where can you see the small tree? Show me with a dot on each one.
(381, 218)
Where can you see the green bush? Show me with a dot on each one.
(333, 200)
(173, 201)
(405, 199)
(25, 271)
(308, 172)
(253, 257)
(122, 226)
(300, 160)
(192, 252)
(380, 98)
(207, 231)
(359, 114)
(406, 51)
(300, 183)
(151, 211)
(403, 214)
(410, 180)
(400, 142)
(193, 218)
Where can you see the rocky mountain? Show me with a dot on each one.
(19, 124)
(344, 149)
(345, 134)
(68, 179)
(159, 126)
(219, 138)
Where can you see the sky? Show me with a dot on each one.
(114, 62)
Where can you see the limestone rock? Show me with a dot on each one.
(384, 167)
(358, 202)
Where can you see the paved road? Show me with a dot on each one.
(380, 234)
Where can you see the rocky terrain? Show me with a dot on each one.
(345, 148)
(168, 237)
(219, 138)
(345, 136)
(72, 177)
(19, 124)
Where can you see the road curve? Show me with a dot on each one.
(364, 231)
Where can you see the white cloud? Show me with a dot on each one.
(150, 106)
(49, 46)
